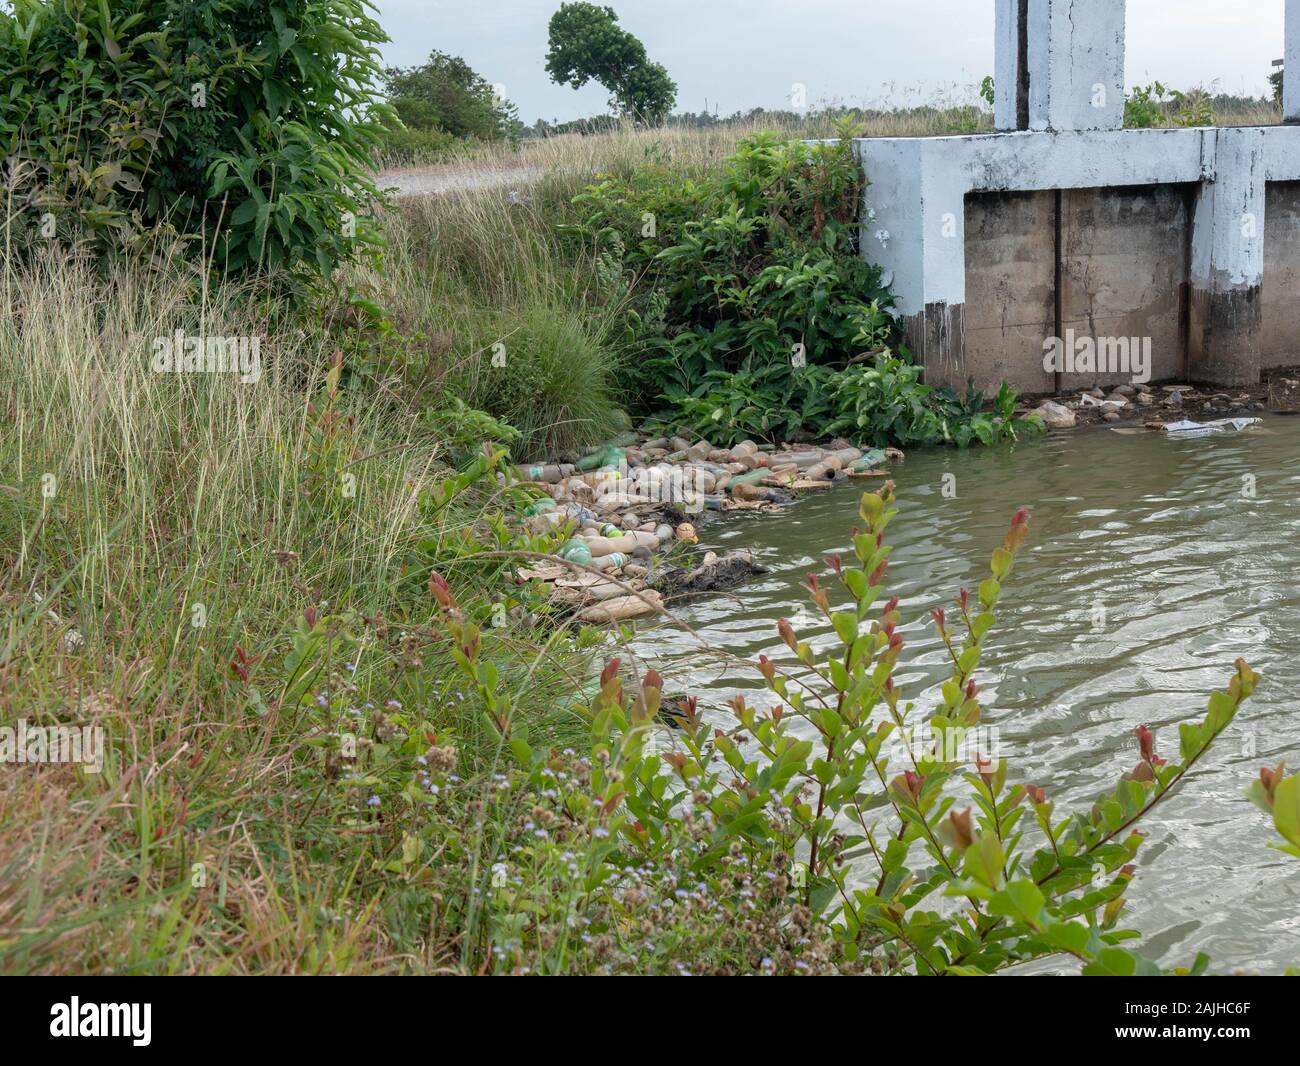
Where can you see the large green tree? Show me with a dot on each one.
(446, 93)
(587, 44)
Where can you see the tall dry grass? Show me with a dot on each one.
(505, 313)
(572, 154)
(154, 525)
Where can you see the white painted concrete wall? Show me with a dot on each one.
(1076, 64)
(914, 204)
(1291, 62)
(1228, 225)
(1006, 62)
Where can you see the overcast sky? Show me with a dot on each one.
(738, 54)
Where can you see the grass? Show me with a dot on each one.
(495, 309)
(576, 154)
(156, 529)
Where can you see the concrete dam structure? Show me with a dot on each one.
(1063, 230)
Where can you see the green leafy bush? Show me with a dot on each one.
(1147, 106)
(878, 402)
(404, 146)
(742, 265)
(441, 107)
(916, 853)
(445, 93)
(249, 124)
(746, 291)
(1155, 105)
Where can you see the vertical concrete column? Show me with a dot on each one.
(913, 227)
(1010, 73)
(1059, 64)
(1291, 64)
(1227, 268)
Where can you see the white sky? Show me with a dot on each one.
(738, 54)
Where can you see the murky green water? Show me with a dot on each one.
(1189, 573)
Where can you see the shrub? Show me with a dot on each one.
(746, 264)
(1155, 104)
(249, 125)
(404, 146)
(846, 774)
(746, 288)
(880, 401)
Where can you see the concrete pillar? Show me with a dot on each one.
(1227, 267)
(913, 227)
(1010, 85)
(1291, 64)
(1059, 64)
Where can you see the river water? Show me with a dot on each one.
(1151, 565)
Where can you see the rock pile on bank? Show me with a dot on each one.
(629, 503)
(1146, 402)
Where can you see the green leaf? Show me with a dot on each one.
(243, 213)
(1021, 899)
(1286, 808)
(984, 860)
(846, 625)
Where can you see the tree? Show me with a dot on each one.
(587, 44)
(446, 93)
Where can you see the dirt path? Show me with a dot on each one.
(422, 181)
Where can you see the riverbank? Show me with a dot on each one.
(624, 512)
(1126, 405)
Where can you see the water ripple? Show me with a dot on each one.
(1152, 564)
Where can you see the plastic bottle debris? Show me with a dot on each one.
(620, 608)
(624, 502)
(606, 456)
(872, 458)
(575, 551)
(1187, 428)
(538, 506)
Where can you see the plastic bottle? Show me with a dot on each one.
(575, 551)
(624, 545)
(873, 457)
(550, 474)
(606, 456)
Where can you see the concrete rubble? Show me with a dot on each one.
(631, 508)
(1143, 403)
